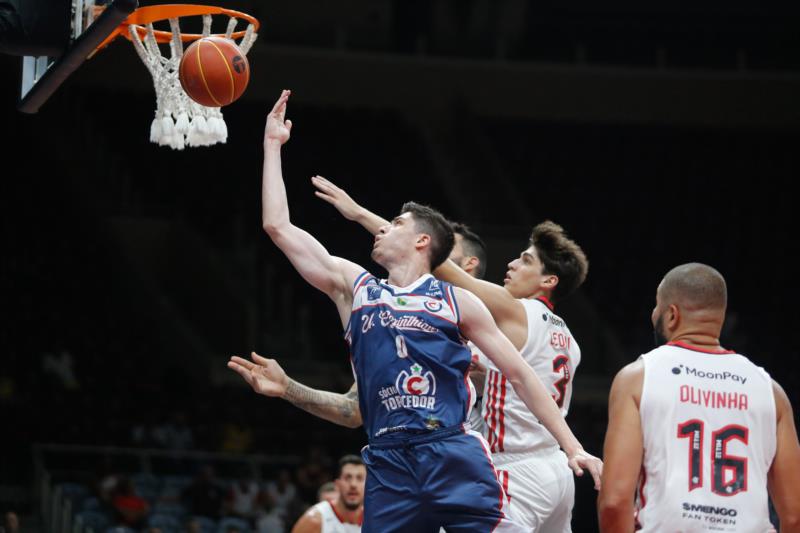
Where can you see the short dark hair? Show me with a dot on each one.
(429, 220)
(561, 256)
(350, 459)
(696, 286)
(473, 245)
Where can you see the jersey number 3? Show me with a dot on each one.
(561, 366)
(721, 462)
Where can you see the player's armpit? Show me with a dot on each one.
(622, 452)
(782, 476)
(507, 311)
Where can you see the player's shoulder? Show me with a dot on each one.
(313, 517)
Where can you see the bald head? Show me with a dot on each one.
(690, 304)
(694, 287)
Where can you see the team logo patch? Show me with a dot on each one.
(416, 383)
(374, 292)
(433, 306)
(402, 301)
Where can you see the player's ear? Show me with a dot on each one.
(470, 263)
(673, 317)
(550, 281)
(423, 240)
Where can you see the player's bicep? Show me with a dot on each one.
(479, 327)
(623, 448)
(314, 263)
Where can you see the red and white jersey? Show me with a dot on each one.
(331, 522)
(551, 351)
(708, 421)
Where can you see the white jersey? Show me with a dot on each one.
(331, 523)
(553, 355)
(474, 411)
(708, 421)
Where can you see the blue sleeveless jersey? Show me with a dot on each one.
(408, 355)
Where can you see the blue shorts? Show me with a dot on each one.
(421, 483)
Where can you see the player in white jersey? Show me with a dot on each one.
(702, 431)
(344, 513)
(534, 472)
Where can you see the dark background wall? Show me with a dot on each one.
(656, 135)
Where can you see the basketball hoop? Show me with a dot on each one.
(179, 121)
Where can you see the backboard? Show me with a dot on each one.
(55, 42)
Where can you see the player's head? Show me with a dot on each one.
(469, 251)
(691, 297)
(327, 492)
(418, 229)
(553, 265)
(350, 483)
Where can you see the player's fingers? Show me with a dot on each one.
(258, 359)
(241, 362)
(321, 183)
(576, 468)
(327, 197)
(242, 371)
(597, 475)
(289, 125)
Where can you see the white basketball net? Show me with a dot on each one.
(179, 120)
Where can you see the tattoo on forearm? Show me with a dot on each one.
(340, 409)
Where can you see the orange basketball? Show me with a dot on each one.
(214, 72)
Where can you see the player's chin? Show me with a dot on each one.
(352, 502)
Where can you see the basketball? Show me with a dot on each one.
(214, 72)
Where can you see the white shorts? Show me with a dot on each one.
(540, 489)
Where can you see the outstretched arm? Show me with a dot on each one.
(478, 326)
(332, 275)
(507, 311)
(623, 451)
(348, 207)
(782, 477)
(267, 377)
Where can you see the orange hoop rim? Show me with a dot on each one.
(149, 14)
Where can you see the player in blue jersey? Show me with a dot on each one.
(407, 337)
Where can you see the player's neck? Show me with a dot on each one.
(697, 339)
(346, 515)
(405, 274)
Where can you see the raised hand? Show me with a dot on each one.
(581, 460)
(278, 130)
(337, 198)
(264, 375)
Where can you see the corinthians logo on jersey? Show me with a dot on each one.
(415, 390)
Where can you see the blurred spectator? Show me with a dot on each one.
(237, 436)
(105, 483)
(271, 521)
(244, 498)
(327, 492)
(313, 473)
(204, 496)
(174, 433)
(282, 491)
(131, 509)
(61, 368)
(10, 523)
